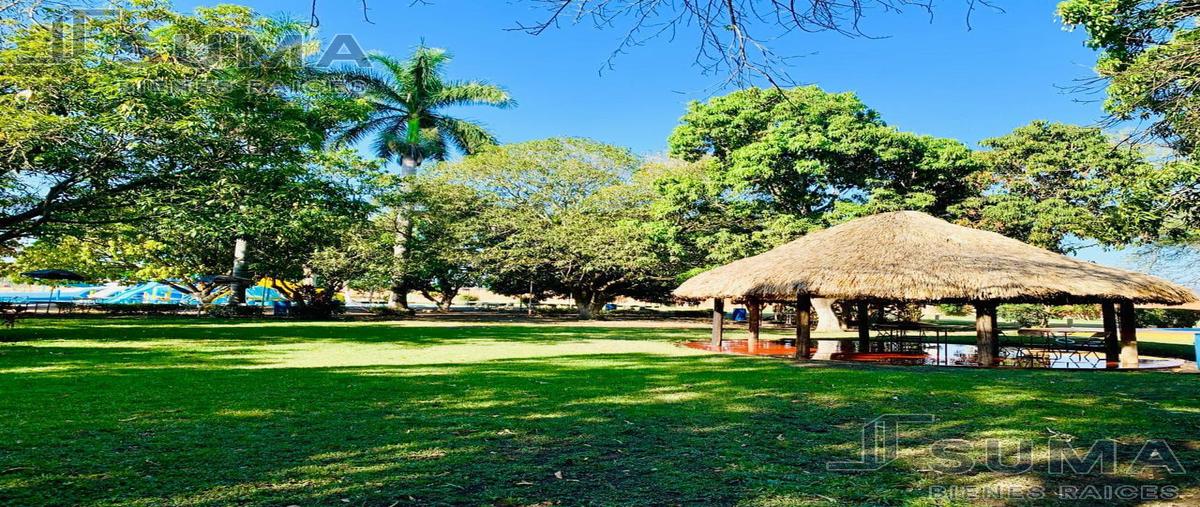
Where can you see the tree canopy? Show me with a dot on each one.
(147, 102)
(773, 164)
(1048, 183)
(1149, 52)
(567, 217)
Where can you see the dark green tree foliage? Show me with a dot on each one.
(147, 101)
(1150, 59)
(773, 164)
(1049, 182)
(289, 216)
(408, 121)
(448, 234)
(571, 217)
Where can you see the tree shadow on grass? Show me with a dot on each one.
(601, 429)
(261, 331)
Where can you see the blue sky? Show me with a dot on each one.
(932, 77)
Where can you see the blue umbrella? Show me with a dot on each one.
(54, 274)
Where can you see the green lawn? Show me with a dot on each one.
(196, 412)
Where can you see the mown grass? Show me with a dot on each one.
(186, 412)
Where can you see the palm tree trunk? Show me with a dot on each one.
(400, 288)
(239, 271)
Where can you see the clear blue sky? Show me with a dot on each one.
(932, 77)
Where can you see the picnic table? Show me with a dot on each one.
(913, 336)
(1045, 345)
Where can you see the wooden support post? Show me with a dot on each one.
(864, 327)
(803, 325)
(718, 322)
(754, 308)
(1129, 351)
(986, 340)
(1112, 347)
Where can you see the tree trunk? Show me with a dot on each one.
(239, 271)
(584, 308)
(585, 304)
(400, 288)
(443, 299)
(826, 319)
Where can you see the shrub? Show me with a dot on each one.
(558, 310)
(953, 310)
(1025, 315)
(468, 298)
(228, 311)
(1086, 312)
(1166, 318)
(387, 311)
(318, 309)
(140, 308)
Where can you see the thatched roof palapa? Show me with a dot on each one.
(912, 256)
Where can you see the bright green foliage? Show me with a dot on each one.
(448, 233)
(705, 224)
(408, 121)
(286, 216)
(408, 100)
(773, 164)
(149, 101)
(1050, 182)
(793, 148)
(803, 150)
(1148, 55)
(1167, 318)
(96, 257)
(568, 217)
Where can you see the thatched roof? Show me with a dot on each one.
(1195, 307)
(911, 256)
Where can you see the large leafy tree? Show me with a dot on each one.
(570, 217)
(1150, 59)
(771, 164)
(409, 123)
(1054, 185)
(291, 215)
(146, 102)
(448, 235)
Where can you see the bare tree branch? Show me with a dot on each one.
(734, 37)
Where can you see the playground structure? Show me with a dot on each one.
(142, 293)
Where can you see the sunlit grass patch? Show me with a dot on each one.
(141, 412)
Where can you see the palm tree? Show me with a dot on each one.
(407, 123)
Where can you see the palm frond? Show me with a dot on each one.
(470, 93)
(405, 96)
(468, 137)
(421, 74)
(388, 145)
(359, 131)
(371, 83)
